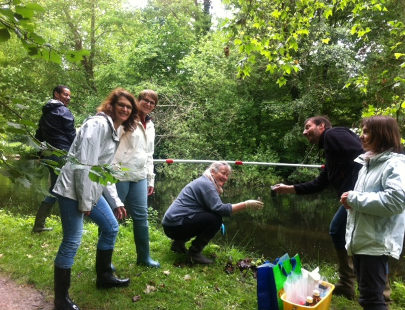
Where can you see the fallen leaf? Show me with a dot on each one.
(149, 289)
(229, 268)
(136, 298)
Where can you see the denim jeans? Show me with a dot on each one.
(72, 224)
(135, 197)
(337, 229)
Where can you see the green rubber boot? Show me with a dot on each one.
(141, 237)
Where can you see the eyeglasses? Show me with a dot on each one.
(151, 102)
(123, 106)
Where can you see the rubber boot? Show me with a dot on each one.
(61, 288)
(178, 246)
(43, 212)
(346, 284)
(195, 252)
(113, 269)
(141, 237)
(105, 276)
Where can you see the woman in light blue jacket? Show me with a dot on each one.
(376, 218)
(95, 144)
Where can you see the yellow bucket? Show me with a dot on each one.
(323, 304)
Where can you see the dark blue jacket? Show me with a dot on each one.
(341, 147)
(197, 196)
(56, 125)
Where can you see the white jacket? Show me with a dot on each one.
(135, 153)
(95, 144)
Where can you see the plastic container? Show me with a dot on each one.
(324, 304)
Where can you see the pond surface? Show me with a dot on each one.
(287, 223)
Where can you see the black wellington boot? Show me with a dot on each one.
(105, 275)
(43, 212)
(61, 288)
(195, 252)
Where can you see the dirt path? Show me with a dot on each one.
(14, 296)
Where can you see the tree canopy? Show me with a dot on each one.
(236, 89)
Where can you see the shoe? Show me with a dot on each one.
(196, 256)
(178, 246)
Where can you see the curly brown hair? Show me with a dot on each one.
(108, 106)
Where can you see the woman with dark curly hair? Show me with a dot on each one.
(95, 144)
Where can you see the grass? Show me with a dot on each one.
(28, 258)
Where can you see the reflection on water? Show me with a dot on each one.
(287, 223)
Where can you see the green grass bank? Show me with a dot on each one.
(28, 258)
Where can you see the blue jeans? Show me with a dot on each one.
(135, 197)
(337, 229)
(72, 224)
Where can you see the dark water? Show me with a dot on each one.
(287, 223)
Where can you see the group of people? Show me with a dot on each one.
(368, 174)
(121, 133)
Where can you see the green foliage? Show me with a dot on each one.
(338, 58)
(398, 293)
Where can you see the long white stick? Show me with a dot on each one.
(235, 162)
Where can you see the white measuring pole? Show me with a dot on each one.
(235, 162)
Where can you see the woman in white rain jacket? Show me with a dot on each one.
(376, 219)
(95, 144)
(135, 153)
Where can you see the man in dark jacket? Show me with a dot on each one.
(341, 146)
(56, 127)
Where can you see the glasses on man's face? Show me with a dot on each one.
(151, 102)
(123, 106)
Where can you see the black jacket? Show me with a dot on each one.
(341, 147)
(56, 125)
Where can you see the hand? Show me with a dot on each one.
(151, 190)
(283, 189)
(120, 213)
(86, 213)
(254, 204)
(343, 200)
